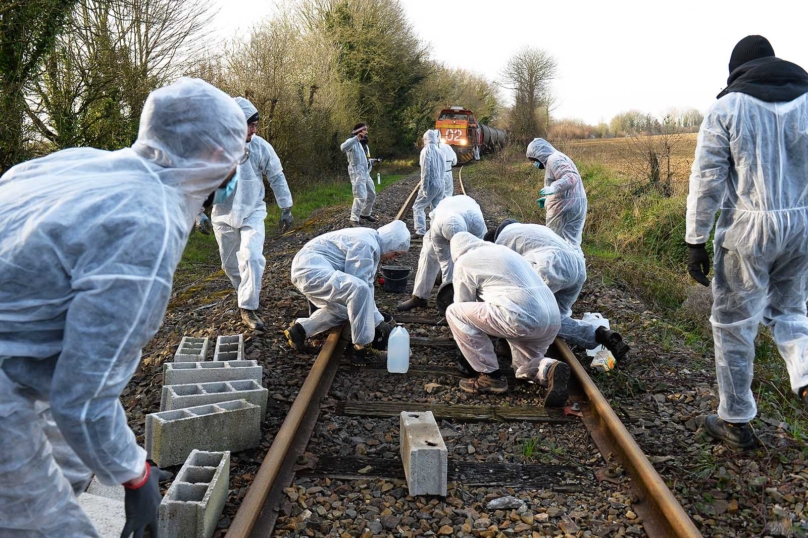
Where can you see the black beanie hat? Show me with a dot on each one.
(749, 48)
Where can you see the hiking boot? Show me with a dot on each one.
(484, 384)
(368, 356)
(409, 304)
(369, 218)
(354, 223)
(252, 320)
(557, 376)
(464, 366)
(296, 336)
(613, 342)
(737, 436)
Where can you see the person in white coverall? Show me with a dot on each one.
(91, 240)
(751, 164)
(497, 293)
(563, 194)
(238, 221)
(452, 215)
(359, 166)
(335, 272)
(449, 160)
(563, 268)
(432, 173)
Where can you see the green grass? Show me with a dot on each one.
(202, 252)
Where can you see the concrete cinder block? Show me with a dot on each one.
(193, 504)
(184, 373)
(172, 435)
(423, 453)
(192, 349)
(229, 348)
(108, 516)
(182, 396)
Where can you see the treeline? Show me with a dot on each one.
(630, 123)
(77, 72)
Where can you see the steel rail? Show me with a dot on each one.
(408, 203)
(460, 179)
(661, 512)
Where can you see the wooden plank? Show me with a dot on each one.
(424, 370)
(416, 341)
(468, 473)
(462, 413)
(419, 320)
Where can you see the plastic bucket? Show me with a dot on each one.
(395, 277)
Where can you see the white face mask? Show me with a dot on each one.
(222, 194)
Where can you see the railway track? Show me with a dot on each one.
(659, 512)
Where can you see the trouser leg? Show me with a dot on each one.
(229, 240)
(428, 268)
(468, 323)
(251, 264)
(370, 188)
(36, 500)
(444, 255)
(360, 194)
(786, 312)
(418, 208)
(578, 333)
(324, 318)
(448, 184)
(739, 289)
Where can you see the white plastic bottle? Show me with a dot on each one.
(599, 321)
(398, 351)
(378, 178)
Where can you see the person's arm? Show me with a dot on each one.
(349, 144)
(121, 289)
(564, 172)
(465, 288)
(362, 260)
(270, 166)
(708, 178)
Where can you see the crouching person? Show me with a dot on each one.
(497, 293)
(335, 272)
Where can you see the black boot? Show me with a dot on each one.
(613, 342)
(409, 304)
(296, 337)
(738, 436)
(557, 377)
(369, 218)
(252, 320)
(368, 356)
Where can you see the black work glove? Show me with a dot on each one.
(141, 504)
(698, 263)
(382, 335)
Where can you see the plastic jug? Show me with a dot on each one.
(398, 351)
(599, 321)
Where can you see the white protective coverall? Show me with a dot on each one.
(566, 208)
(432, 172)
(91, 240)
(335, 271)
(497, 293)
(449, 160)
(238, 221)
(561, 266)
(751, 163)
(452, 215)
(359, 166)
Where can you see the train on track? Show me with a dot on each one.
(467, 137)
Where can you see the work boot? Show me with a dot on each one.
(369, 218)
(354, 223)
(485, 384)
(409, 304)
(557, 377)
(613, 342)
(296, 336)
(368, 356)
(463, 365)
(251, 319)
(738, 436)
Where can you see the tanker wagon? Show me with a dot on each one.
(467, 137)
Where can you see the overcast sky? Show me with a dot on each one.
(612, 56)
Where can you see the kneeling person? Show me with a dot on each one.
(497, 293)
(563, 268)
(335, 272)
(452, 215)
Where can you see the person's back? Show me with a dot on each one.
(337, 247)
(459, 207)
(524, 238)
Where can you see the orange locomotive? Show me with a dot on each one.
(468, 138)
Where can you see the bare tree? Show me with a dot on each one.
(528, 75)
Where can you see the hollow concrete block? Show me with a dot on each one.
(172, 435)
(192, 349)
(184, 373)
(191, 395)
(423, 453)
(193, 504)
(229, 348)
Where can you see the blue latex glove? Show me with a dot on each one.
(547, 191)
(541, 202)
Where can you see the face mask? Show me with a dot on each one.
(538, 165)
(222, 194)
